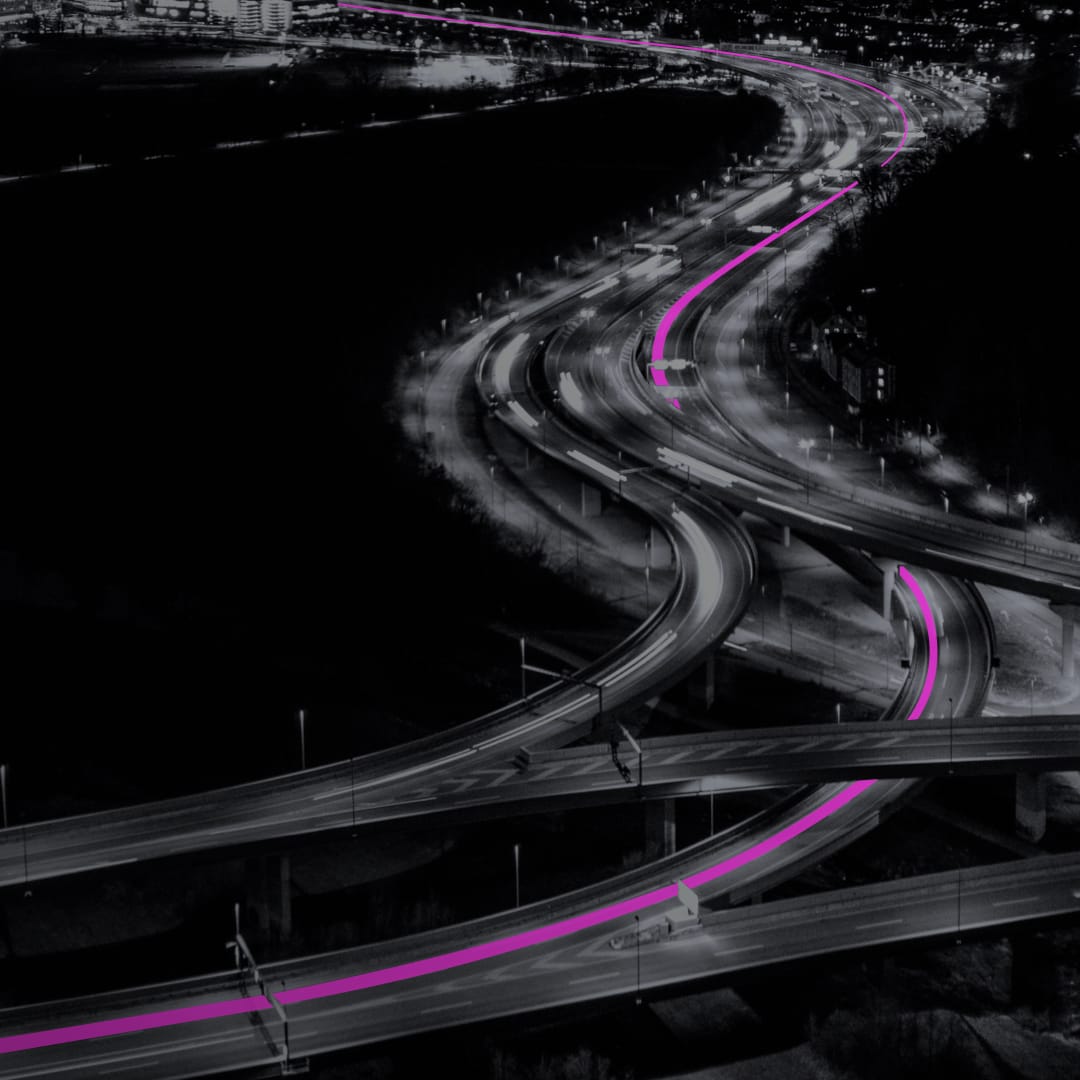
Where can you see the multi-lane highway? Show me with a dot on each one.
(567, 380)
(592, 963)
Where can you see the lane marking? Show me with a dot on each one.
(875, 925)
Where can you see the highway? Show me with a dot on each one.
(716, 563)
(584, 966)
(610, 431)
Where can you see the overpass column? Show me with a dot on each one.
(269, 883)
(590, 500)
(1031, 806)
(887, 581)
(659, 828)
(1067, 612)
(703, 684)
(659, 551)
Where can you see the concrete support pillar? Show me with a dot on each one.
(887, 581)
(659, 829)
(285, 885)
(269, 888)
(590, 500)
(659, 549)
(703, 684)
(1031, 806)
(1067, 612)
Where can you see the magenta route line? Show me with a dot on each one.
(487, 950)
(664, 329)
(515, 942)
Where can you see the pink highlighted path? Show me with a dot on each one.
(502, 946)
(537, 936)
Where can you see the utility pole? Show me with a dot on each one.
(303, 746)
(523, 694)
(950, 736)
(517, 875)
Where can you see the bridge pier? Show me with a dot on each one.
(591, 504)
(659, 549)
(1067, 612)
(269, 881)
(888, 580)
(659, 828)
(1031, 806)
(703, 684)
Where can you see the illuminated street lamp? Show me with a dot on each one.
(1025, 499)
(807, 445)
(517, 875)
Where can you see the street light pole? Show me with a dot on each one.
(517, 875)
(523, 694)
(1025, 498)
(807, 445)
(950, 736)
(882, 460)
(303, 745)
(3, 793)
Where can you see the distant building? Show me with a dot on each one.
(222, 11)
(94, 7)
(313, 12)
(10, 8)
(276, 16)
(839, 345)
(249, 16)
(866, 381)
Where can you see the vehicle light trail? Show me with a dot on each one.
(473, 954)
(680, 305)
(486, 950)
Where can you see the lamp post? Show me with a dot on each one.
(950, 736)
(517, 875)
(1025, 499)
(832, 433)
(882, 460)
(303, 746)
(807, 445)
(523, 694)
(3, 794)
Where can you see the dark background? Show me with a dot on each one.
(201, 442)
